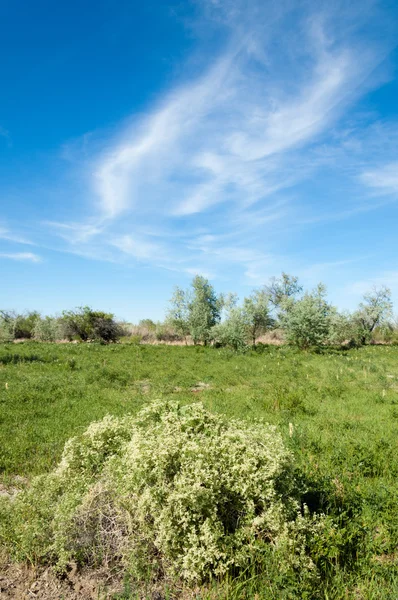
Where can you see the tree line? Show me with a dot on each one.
(304, 318)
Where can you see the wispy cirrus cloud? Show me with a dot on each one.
(228, 136)
(210, 175)
(6, 234)
(75, 233)
(21, 256)
(382, 180)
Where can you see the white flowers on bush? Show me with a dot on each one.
(186, 491)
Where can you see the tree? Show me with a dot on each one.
(308, 321)
(204, 309)
(196, 310)
(374, 311)
(256, 314)
(178, 313)
(280, 290)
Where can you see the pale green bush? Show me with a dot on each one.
(178, 489)
(308, 322)
(232, 332)
(47, 329)
(6, 331)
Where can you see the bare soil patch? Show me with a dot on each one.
(21, 582)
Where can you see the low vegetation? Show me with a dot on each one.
(189, 493)
(186, 489)
(199, 315)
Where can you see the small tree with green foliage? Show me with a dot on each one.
(282, 290)
(374, 311)
(256, 314)
(178, 313)
(308, 321)
(195, 311)
(204, 309)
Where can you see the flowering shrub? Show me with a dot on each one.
(177, 488)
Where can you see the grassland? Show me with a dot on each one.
(337, 411)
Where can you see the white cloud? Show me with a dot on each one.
(75, 232)
(227, 137)
(136, 247)
(208, 178)
(21, 256)
(5, 234)
(383, 180)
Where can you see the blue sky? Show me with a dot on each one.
(141, 143)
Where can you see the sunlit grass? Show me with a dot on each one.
(337, 411)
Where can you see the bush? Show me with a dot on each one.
(105, 328)
(375, 311)
(308, 322)
(184, 491)
(233, 332)
(48, 329)
(87, 324)
(6, 330)
(147, 324)
(14, 326)
(24, 325)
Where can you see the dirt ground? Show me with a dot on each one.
(21, 582)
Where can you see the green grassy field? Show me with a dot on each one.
(337, 411)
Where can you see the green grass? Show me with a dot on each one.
(343, 407)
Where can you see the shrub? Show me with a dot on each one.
(180, 489)
(87, 324)
(232, 332)
(24, 325)
(6, 328)
(105, 328)
(307, 322)
(147, 324)
(48, 329)
(340, 328)
(242, 325)
(17, 326)
(375, 311)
